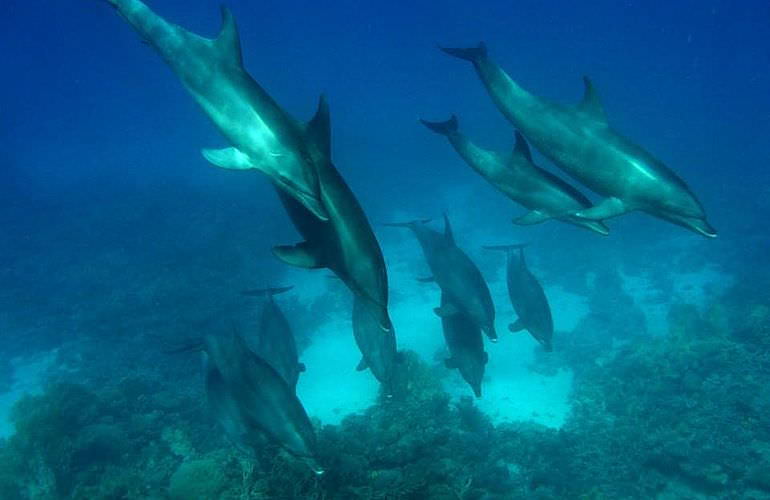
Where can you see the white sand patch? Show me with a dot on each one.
(331, 388)
(28, 377)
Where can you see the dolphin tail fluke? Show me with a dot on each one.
(472, 54)
(410, 223)
(266, 292)
(446, 128)
(506, 248)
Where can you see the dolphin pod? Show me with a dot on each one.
(527, 297)
(466, 347)
(517, 176)
(455, 273)
(580, 141)
(274, 341)
(253, 393)
(262, 135)
(252, 401)
(296, 157)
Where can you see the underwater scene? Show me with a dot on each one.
(385, 250)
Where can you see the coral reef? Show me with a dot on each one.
(675, 416)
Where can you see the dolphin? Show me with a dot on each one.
(518, 178)
(466, 348)
(580, 141)
(262, 135)
(274, 340)
(345, 243)
(378, 348)
(251, 400)
(527, 297)
(457, 276)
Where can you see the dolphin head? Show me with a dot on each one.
(697, 224)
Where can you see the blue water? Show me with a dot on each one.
(119, 239)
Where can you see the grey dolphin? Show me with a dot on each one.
(345, 243)
(466, 348)
(527, 297)
(517, 177)
(263, 136)
(579, 140)
(378, 348)
(456, 274)
(251, 399)
(274, 340)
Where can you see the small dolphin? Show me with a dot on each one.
(250, 399)
(263, 136)
(378, 348)
(580, 141)
(274, 340)
(466, 348)
(455, 273)
(517, 177)
(345, 243)
(527, 297)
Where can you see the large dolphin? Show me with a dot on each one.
(378, 349)
(517, 177)
(455, 273)
(580, 141)
(527, 297)
(345, 243)
(263, 136)
(274, 341)
(466, 348)
(251, 400)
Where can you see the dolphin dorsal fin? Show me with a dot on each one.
(591, 104)
(521, 147)
(318, 129)
(448, 230)
(228, 43)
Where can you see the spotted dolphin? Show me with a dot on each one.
(454, 272)
(518, 178)
(252, 401)
(262, 135)
(345, 243)
(466, 348)
(580, 141)
(527, 297)
(274, 340)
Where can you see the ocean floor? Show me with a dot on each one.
(28, 378)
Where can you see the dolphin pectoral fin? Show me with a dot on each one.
(516, 326)
(229, 158)
(300, 255)
(427, 279)
(450, 363)
(448, 309)
(533, 217)
(608, 208)
(361, 365)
